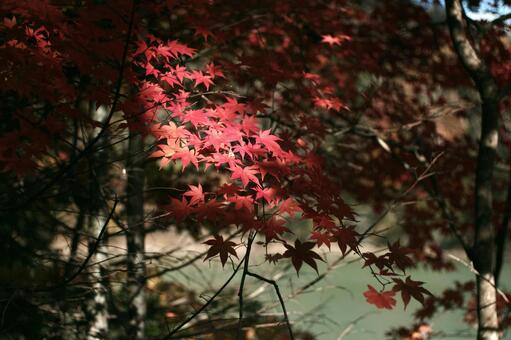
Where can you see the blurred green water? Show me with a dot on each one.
(335, 306)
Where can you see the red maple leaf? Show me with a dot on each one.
(273, 228)
(274, 168)
(321, 238)
(410, 288)
(201, 78)
(289, 206)
(270, 141)
(324, 221)
(180, 72)
(232, 105)
(380, 299)
(166, 152)
(179, 209)
(398, 256)
(246, 174)
(334, 40)
(176, 48)
(170, 132)
(228, 189)
(141, 47)
(211, 211)
(170, 79)
(300, 253)
(346, 237)
(220, 247)
(379, 261)
(203, 32)
(186, 156)
(332, 103)
(249, 124)
(10, 23)
(195, 193)
(214, 71)
(196, 117)
(273, 258)
(268, 194)
(241, 202)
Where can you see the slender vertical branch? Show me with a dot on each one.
(251, 238)
(204, 306)
(92, 249)
(75, 241)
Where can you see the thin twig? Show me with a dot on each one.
(242, 283)
(204, 306)
(282, 304)
(94, 247)
(472, 269)
(90, 146)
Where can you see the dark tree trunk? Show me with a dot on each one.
(483, 251)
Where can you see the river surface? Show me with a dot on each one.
(335, 308)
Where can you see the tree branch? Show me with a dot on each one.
(281, 300)
(93, 248)
(204, 306)
(242, 283)
(93, 142)
(501, 19)
(466, 52)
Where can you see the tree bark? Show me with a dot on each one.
(484, 248)
(483, 251)
(98, 306)
(136, 237)
(501, 237)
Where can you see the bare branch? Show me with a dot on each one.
(281, 300)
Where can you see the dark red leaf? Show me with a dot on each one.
(410, 288)
(220, 247)
(300, 253)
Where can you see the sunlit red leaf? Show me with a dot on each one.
(246, 174)
(381, 300)
(195, 193)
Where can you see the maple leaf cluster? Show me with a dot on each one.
(408, 289)
(270, 176)
(226, 136)
(267, 181)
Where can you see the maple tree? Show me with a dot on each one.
(271, 113)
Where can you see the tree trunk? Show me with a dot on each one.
(98, 307)
(136, 236)
(484, 249)
(501, 236)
